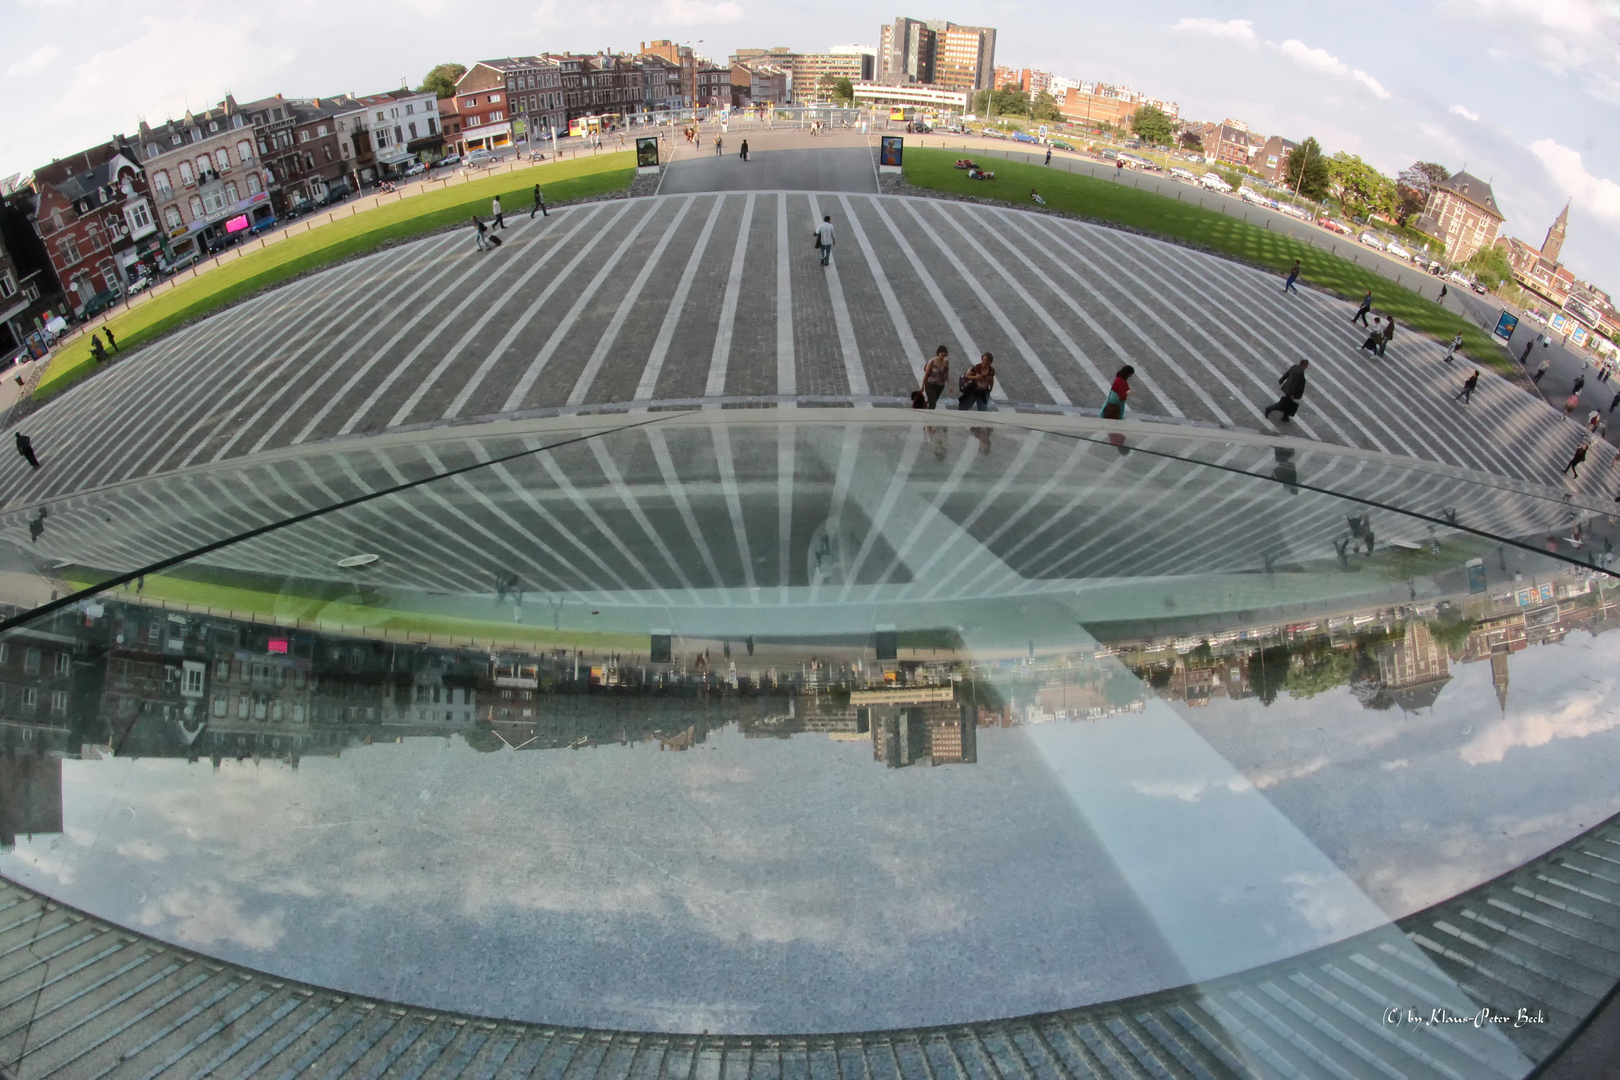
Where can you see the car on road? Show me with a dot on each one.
(1294, 211)
(1024, 136)
(1477, 287)
(992, 133)
(263, 225)
(1371, 241)
(334, 195)
(416, 169)
(1107, 153)
(1213, 182)
(1394, 249)
(1334, 225)
(1183, 175)
(1459, 277)
(298, 209)
(448, 161)
(477, 158)
(1059, 144)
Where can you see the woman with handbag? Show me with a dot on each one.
(1114, 407)
(977, 384)
(936, 373)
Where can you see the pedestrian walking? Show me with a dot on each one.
(112, 342)
(26, 448)
(479, 233)
(1468, 386)
(975, 386)
(1361, 312)
(1443, 291)
(1580, 381)
(1524, 357)
(1048, 156)
(1541, 368)
(717, 150)
(1593, 420)
(1575, 459)
(1456, 343)
(1293, 276)
(936, 375)
(1615, 402)
(1114, 407)
(1375, 334)
(1292, 384)
(500, 219)
(824, 239)
(1387, 337)
(1571, 403)
(539, 204)
(743, 153)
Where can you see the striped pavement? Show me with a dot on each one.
(719, 299)
(712, 510)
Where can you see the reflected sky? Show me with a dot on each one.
(746, 884)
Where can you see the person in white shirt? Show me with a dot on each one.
(824, 239)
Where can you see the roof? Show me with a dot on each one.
(516, 63)
(1470, 187)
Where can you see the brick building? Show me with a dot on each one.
(94, 214)
(205, 175)
(533, 88)
(754, 83)
(1088, 107)
(388, 130)
(1231, 143)
(1271, 161)
(684, 57)
(1462, 211)
(714, 87)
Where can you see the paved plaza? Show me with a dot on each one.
(717, 299)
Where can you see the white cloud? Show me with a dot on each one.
(1233, 29)
(1325, 62)
(34, 63)
(695, 12)
(209, 916)
(1598, 194)
(1266, 778)
(1576, 718)
(1466, 114)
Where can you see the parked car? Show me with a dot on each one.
(1059, 144)
(1183, 175)
(98, 303)
(1394, 248)
(334, 194)
(1196, 159)
(447, 161)
(416, 169)
(1249, 195)
(263, 225)
(1107, 154)
(1213, 182)
(1294, 211)
(298, 209)
(1333, 225)
(1477, 287)
(1372, 241)
(1459, 277)
(477, 158)
(992, 133)
(1024, 137)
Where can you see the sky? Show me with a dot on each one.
(1521, 91)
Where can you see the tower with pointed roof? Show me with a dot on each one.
(1554, 244)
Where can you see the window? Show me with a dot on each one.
(468, 103)
(321, 130)
(58, 701)
(63, 662)
(187, 177)
(494, 99)
(303, 136)
(31, 662)
(70, 250)
(213, 125)
(433, 127)
(160, 184)
(382, 138)
(231, 192)
(275, 114)
(222, 670)
(30, 698)
(413, 129)
(139, 216)
(175, 140)
(222, 158)
(327, 150)
(409, 108)
(196, 208)
(263, 146)
(496, 115)
(253, 183)
(220, 706)
(393, 114)
(242, 705)
(380, 115)
(7, 285)
(244, 151)
(171, 218)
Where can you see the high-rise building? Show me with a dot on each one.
(936, 53)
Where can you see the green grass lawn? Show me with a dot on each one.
(562, 182)
(350, 610)
(1119, 203)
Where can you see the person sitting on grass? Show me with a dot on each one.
(977, 173)
(1036, 196)
(965, 163)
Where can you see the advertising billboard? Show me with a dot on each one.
(237, 224)
(1582, 311)
(1506, 323)
(647, 153)
(892, 151)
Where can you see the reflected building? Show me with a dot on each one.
(30, 794)
(1415, 668)
(923, 725)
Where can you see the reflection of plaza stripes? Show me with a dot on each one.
(700, 296)
(614, 520)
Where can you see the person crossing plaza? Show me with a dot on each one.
(1361, 312)
(1468, 386)
(1293, 276)
(539, 204)
(1575, 459)
(1292, 384)
(1456, 343)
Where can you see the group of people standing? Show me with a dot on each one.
(973, 388)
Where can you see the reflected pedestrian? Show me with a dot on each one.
(1292, 384)
(1114, 406)
(936, 375)
(1615, 402)
(25, 447)
(1293, 276)
(1467, 391)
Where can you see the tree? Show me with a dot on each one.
(844, 90)
(442, 80)
(1152, 125)
(1045, 107)
(1490, 265)
(1360, 188)
(1191, 140)
(1413, 187)
(1306, 170)
(1010, 101)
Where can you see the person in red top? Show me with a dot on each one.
(1114, 407)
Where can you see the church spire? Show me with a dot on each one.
(1554, 244)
